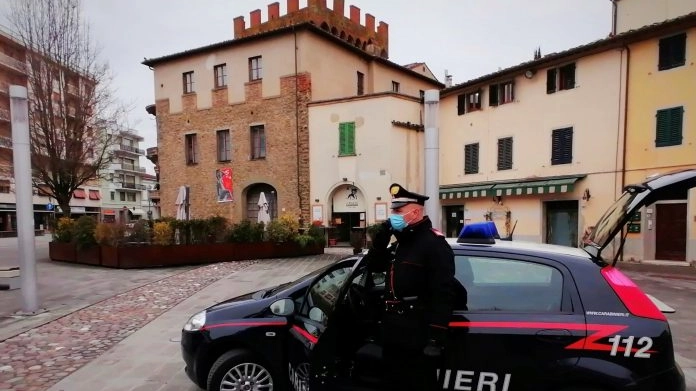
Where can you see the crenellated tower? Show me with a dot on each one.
(366, 37)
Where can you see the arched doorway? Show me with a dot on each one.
(253, 195)
(347, 212)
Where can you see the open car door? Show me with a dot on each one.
(635, 196)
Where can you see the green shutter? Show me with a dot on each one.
(346, 138)
(669, 124)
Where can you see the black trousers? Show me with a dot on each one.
(406, 367)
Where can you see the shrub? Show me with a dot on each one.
(65, 231)
(217, 228)
(163, 233)
(283, 230)
(246, 232)
(109, 234)
(198, 231)
(304, 240)
(140, 232)
(317, 233)
(84, 232)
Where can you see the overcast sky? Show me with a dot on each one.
(465, 37)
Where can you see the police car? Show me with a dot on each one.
(537, 317)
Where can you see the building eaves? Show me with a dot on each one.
(598, 46)
(284, 30)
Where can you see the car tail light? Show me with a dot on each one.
(637, 302)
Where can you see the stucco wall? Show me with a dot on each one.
(384, 153)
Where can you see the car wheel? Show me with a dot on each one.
(239, 370)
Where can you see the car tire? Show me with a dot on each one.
(240, 367)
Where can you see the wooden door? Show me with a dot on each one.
(670, 235)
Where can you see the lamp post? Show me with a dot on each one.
(19, 109)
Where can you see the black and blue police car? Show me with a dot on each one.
(537, 317)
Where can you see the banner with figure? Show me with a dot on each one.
(224, 185)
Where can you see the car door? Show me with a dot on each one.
(309, 357)
(522, 313)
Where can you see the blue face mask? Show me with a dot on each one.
(398, 222)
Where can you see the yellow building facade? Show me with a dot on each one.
(661, 137)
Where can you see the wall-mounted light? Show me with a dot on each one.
(529, 73)
(316, 200)
(586, 195)
(379, 198)
(345, 179)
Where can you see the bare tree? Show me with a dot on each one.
(72, 113)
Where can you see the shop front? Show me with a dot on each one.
(348, 214)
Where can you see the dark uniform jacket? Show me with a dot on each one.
(421, 275)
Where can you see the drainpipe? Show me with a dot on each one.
(614, 10)
(297, 124)
(625, 124)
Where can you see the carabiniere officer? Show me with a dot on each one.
(419, 292)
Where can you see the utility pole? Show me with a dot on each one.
(19, 112)
(432, 157)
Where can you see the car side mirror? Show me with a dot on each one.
(283, 307)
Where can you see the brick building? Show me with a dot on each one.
(242, 108)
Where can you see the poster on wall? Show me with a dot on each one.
(317, 213)
(380, 211)
(224, 185)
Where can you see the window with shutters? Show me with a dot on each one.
(669, 127)
(187, 79)
(469, 102)
(191, 143)
(471, 158)
(361, 83)
(499, 94)
(562, 78)
(223, 145)
(505, 153)
(346, 139)
(258, 142)
(672, 52)
(562, 146)
(255, 68)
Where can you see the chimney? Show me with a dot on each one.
(293, 6)
(355, 14)
(370, 23)
(255, 16)
(239, 26)
(339, 7)
(273, 11)
(320, 4)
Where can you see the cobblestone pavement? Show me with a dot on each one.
(36, 359)
(64, 288)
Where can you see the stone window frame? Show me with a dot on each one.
(191, 148)
(223, 155)
(188, 82)
(257, 152)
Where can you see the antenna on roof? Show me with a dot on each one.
(448, 79)
(537, 53)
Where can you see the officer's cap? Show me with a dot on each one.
(401, 196)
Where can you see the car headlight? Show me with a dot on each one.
(195, 322)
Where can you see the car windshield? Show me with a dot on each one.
(288, 284)
(611, 219)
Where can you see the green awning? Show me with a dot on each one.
(551, 185)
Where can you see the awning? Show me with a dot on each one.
(79, 193)
(137, 211)
(549, 185)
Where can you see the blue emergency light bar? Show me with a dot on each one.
(480, 233)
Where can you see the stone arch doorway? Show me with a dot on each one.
(253, 194)
(348, 212)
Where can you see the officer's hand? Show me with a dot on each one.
(382, 236)
(432, 349)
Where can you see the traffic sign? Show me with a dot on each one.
(49, 206)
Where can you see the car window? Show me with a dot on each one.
(499, 284)
(324, 292)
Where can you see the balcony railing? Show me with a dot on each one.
(134, 186)
(154, 194)
(128, 148)
(5, 115)
(13, 63)
(131, 167)
(5, 142)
